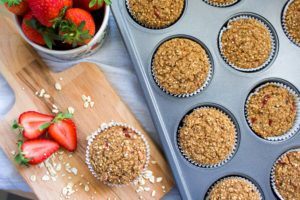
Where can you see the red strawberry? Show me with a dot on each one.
(35, 151)
(89, 5)
(47, 11)
(30, 32)
(31, 122)
(63, 131)
(78, 27)
(18, 7)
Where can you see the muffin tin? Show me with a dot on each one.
(229, 89)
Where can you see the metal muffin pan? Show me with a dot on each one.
(229, 88)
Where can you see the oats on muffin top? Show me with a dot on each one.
(246, 43)
(207, 136)
(181, 66)
(272, 111)
(156, 13)
(292, 20)
(287, 176)
(234, 188)
(118, 155)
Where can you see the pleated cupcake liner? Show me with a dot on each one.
(102, 128)
(234, 177)
(296, 126)
(185, 95)
(273, 41)
(284, 26)
(273, 177)
(229, 157)
(221, 5)
(152, 27)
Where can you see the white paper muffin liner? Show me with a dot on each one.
(284, 26)
(152, 27)
(221, 4)
(229, 157)
(296, 126)
(273, 177)
(233, 177)
(273, 41)
(185, 95)
(104, 127)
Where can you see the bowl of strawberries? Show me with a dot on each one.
(64, 29)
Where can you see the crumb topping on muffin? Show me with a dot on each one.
(292, 20)
(272, 111)
(246, 43)
(207, 136)
(234, 188)
(181, 66)
(118, 155)
(287, 175)
(155, 13)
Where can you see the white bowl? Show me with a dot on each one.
(76, 53)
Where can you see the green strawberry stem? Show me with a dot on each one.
(11, 3)
(59, 117)
(19, 127)
(20, 158)
(98, 2)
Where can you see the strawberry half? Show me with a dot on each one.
(30, 124)
(46, 11)
(18, 7)
(77, 28)
(63, 131)
(35, 151)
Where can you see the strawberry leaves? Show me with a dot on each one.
(20, 157)
(11, 3)
(98, 2)
(59, 117)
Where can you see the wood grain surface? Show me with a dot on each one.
(27, 74)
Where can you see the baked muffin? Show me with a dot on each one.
(181, 66)
(246, 44)
(286, 176)
(118, 155)
(221, 2)
(155, 13)
(271, 111)
(234, 188)
(292, 21)
(207, 137)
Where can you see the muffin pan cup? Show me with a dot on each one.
(292, 131)
(221, 5)
(223, 162)
(284, 26)
(102, 128)
(273, 40)
(235, 177)
(205, 84)
(273, 177)
(228, 88)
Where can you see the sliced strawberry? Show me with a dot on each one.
(35, 151)
(30, 123)
(63, 131)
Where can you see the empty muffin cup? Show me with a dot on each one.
(117, 154)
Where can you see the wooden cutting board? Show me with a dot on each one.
(26, 74)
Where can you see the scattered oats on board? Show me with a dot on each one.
(159, 179)
(71, 110)
(153, 193)
(41, 93)
(13, 152)
(47, 96)
(45, 178)
(58, 86)
(153, 162)
(86, 188)
(33, 178)
(87, 101)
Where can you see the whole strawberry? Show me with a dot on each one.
(30, 32)
(18, 7)
(47, 12)
(78, 27)
(90, 5)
